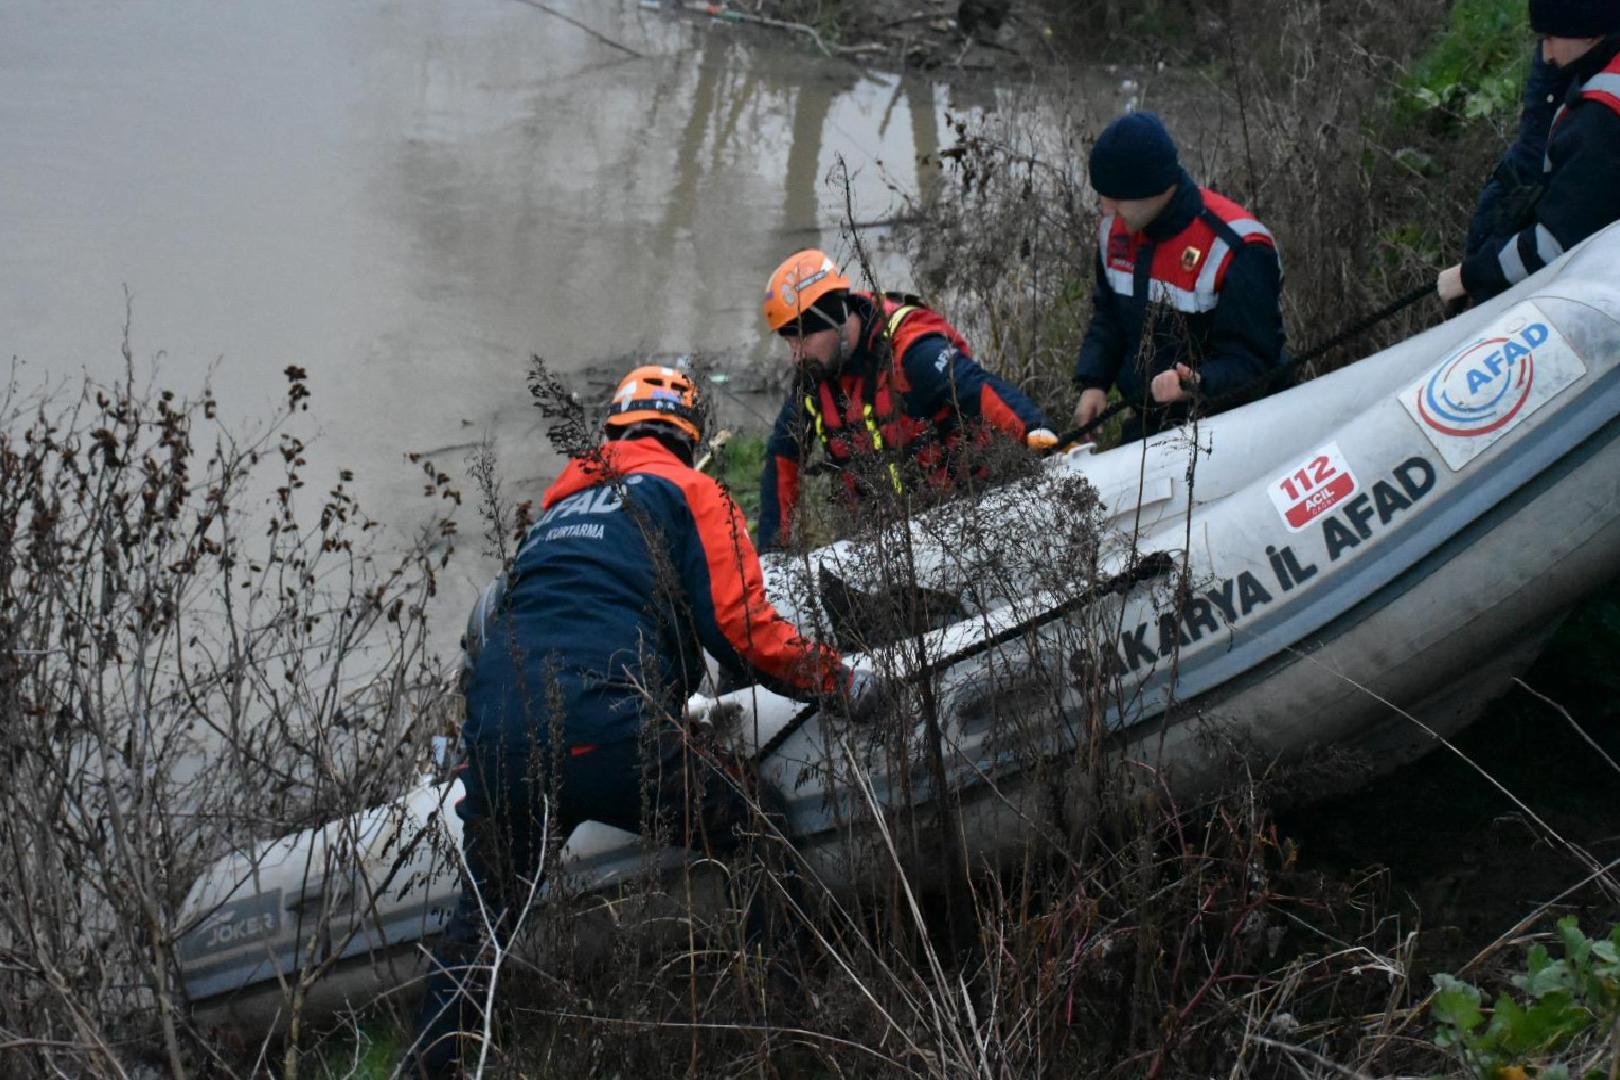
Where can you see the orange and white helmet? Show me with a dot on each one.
(802, 279)
(652, 394)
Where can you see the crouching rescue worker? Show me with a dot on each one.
(885, 384)
(1187, 308)
(1578, 189)
(578, 665)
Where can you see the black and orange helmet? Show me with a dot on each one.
(652, 394)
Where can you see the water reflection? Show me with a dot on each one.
(409, 198)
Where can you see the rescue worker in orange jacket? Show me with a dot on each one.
(578, 661)
(1187, 304)
(887, 386)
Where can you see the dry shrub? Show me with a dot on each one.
(1284, 107)
(1135, 932)
(198, 654)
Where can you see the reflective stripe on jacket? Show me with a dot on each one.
(1580, 189)
(1188, 270)
(910, 393)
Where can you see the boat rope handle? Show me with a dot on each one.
(1365, 323)
(1355, 329)
(1146, 567)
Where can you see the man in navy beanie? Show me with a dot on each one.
(1186, 313)
(1577, 189)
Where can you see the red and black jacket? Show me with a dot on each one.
(1580, 180)
(638, 563)
(1200, 286)
(918, 411)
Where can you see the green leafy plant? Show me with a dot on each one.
(1476, 67)
(742, 460)
(1560, 1025)
(369, 1052)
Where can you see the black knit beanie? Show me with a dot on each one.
(1575, 18)
(1134, 158)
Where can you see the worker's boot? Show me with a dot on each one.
(775, 916)
(450, 1006)
(457, 982)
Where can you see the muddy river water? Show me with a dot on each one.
(408, 198)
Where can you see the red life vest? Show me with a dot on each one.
(1603, 88)
(1189, 269)
(854, 418)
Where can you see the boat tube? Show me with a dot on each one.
(1357, 564)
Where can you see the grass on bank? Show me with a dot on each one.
(370, 1052)
(741, 462)
(1476, 68)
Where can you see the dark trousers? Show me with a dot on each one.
(694, 798)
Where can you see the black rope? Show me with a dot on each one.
(1355, 329)
(1149, 566)
(1366, 322)
(774, 743)
(1069, 438)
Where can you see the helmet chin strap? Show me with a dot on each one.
(846, 340)
(816, 370)
(846, 348)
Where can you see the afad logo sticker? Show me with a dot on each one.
(1483, 390)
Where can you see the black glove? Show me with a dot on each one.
(870, 695)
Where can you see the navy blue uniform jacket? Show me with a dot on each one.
(637, 564)
(1234, 348)
(1581, 178)
(1520, 168)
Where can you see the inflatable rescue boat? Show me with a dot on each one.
(1357, 564)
